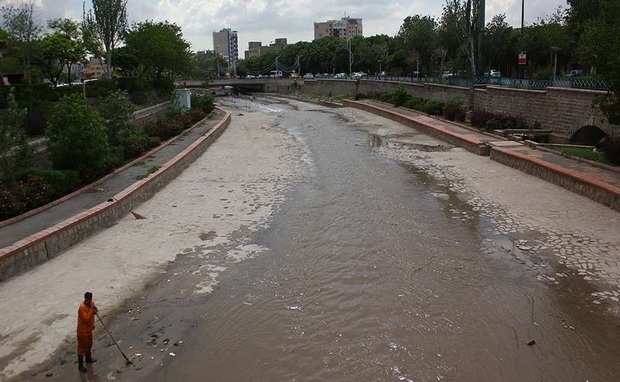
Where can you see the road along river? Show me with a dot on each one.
(319, 244)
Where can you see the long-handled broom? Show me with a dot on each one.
(113, 340)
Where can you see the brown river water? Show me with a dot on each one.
(375, 270)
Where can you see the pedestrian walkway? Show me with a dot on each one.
(598, 182)
(20, 229)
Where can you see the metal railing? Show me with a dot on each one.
(572, 82)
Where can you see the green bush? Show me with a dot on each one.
(59, 183)
(400, 96)
(203, 101)
(77, 139)
(165, 128)
(117, 112)
(137, 143)
(433, 107)
(197, 114)
(454, 111)
(415, 104)
(19, 196)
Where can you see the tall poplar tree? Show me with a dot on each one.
(108, 20)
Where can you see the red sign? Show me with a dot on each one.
(522, 59)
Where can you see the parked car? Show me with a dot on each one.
(358, 75)
(308, 76)
(340, 76)
(495, 73)
(575, 73)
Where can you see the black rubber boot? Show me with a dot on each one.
(89, 358)
(81, 364)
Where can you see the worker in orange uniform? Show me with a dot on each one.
(85, 327)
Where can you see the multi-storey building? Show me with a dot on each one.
(346, 27)
(256, 48)
(225, 43)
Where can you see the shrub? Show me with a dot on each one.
(611, 147)
(433, 107)
(59, 183)
(480, 118)
(415, 104)
(15, 151)
(454, 111)
(197, 114)
(185, 119)
(400, 96)
(19, 196)
(78, 139)
(117, 112)
(165, 128)
(202, 101)
(137, 143)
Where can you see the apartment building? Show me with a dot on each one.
(345, 28)
(225, 43)
(257, 49)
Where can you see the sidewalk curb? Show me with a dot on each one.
(48, 243)
(603, 193)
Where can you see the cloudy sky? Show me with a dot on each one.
(266, 20)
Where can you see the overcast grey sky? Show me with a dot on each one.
(266, 20)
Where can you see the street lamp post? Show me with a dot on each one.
(555, 50)
(350, 55)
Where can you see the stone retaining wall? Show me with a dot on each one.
(46, 244)
(599, 192)
(563, 110)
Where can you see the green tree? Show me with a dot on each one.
(419, 34)
(24, 29)
(117, 112)
(159, 49)
(15, 151)
(599, 46)
(77, 138)
(76, 50)
(55, 52)
(107, 21)
(499, 45)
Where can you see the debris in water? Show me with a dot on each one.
(531, 343)
(49, 374)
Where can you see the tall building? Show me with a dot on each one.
(346, 27)
(225, 43)
(256, 48)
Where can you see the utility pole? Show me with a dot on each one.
(481, 28)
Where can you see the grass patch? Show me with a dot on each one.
(148, 172)
(582, 153)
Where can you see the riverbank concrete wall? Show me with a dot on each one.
(562, 110)
(46, 244)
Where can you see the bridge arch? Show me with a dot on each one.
(588, 135)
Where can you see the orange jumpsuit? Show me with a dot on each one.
(85, 327)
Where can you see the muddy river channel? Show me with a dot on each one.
(366, 252)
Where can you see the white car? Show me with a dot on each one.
(340, 75)
(495, 73)
(308, 76)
